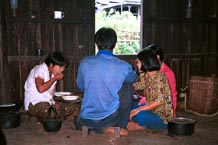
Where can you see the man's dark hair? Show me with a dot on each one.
(57, 58)
(149, 60)
(105, 38)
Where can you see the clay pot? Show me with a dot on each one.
(52, 123)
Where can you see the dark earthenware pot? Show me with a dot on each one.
(52, 124)
(9, 119)
(181, 126)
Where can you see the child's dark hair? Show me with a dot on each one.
(57, 58)
(106, 38)
(148, 60)
(156, 50)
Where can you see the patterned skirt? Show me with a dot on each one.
(40, 110)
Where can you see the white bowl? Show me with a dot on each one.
(59, 94)
(70, 97)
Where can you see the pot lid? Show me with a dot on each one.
(7, 105)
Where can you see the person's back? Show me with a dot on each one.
(101, 77)
(172, 81)
(168, 72)
(104, 78)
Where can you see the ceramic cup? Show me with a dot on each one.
(58, 14)
(39, 52)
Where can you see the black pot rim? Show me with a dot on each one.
(182, 120)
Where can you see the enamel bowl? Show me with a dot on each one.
(59, 94)
(70, 97)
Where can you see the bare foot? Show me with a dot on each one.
(124, 131)
(110, 130)
(134, 126)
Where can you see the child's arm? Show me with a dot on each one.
(43, 86)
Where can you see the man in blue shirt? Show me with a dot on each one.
(107, 84)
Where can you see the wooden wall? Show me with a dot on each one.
(1, 60)
(189, 43)
(188, 39)
(34, 27)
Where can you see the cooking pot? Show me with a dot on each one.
(52, 123)
(10, 107)
(9, 119)
(181, 126)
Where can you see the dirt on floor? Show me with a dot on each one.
(30, 132)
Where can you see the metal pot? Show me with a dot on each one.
(10, 107)
(181, 126)
(9, 120)
(52, 124)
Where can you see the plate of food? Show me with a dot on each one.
(70, 97)
(59, 94)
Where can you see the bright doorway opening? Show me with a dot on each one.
(124, 16)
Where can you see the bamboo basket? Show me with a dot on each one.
(203, 95)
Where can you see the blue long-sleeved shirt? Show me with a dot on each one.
(101, 77)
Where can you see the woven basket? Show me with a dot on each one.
(203, 95)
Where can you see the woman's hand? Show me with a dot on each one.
(59, 76)
(133, 113)
(142, 101)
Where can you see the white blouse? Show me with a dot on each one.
(31, 93)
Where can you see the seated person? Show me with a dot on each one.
(168, 72)
(164, 69)
(158, 108)
(101, 77)
(41, 85)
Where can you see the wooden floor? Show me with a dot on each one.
(32, 133)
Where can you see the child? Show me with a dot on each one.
(40, 84)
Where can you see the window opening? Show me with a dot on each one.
(124, 16)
